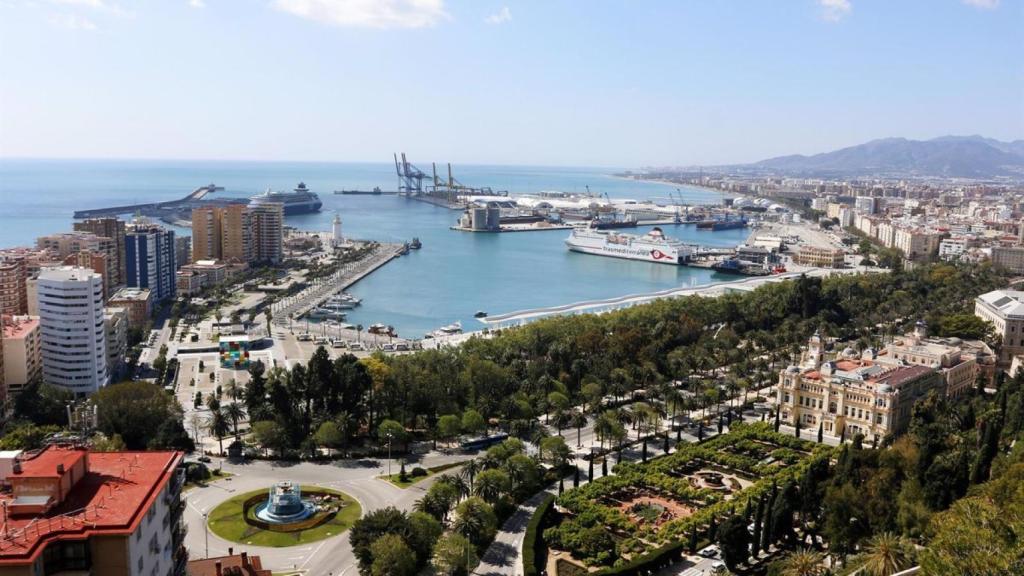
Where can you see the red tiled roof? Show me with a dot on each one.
(230, 565)
(45, 464)
(112, 498)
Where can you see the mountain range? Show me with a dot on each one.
(948, 157)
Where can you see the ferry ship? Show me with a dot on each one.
(298, 201)
(651, 247)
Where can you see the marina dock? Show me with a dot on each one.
(322, 288)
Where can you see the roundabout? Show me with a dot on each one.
(284, 514)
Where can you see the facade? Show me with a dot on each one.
(150, 257)
(1010, 258)
(851, 395)
(115, 323)
(206, 233)
(222, 233)
(66, 243)
(916, 244)
(866, 204)
(182, 250)
(95, 261)
(267, 220)
(193, 278)
(114, 229)
(73, 511)
(819, 256)
(21, 347)
(73, 343)
(137, 304)
(236, 233)
(959, 371)
(1004, 309)
(13, 292)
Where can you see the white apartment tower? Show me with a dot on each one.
(73, 336)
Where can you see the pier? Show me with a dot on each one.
(152, 208)
(323, 288)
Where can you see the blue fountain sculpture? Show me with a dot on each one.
(285, 505)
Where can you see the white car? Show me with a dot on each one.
(710, 552)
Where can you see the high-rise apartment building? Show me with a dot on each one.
(21, 360)
(113, 228)
(13, 293)
(74, 348)
(150, 259)
(267, 221)
(182, 250)
(115, 324)
(236, 234)
(74, 511)
(206, 233)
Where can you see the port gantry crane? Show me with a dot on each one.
(410, 178)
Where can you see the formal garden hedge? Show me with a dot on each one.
(599, 534)
(534, 550)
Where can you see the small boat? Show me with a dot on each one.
(480, 314)
(453, 328)
(415, 244)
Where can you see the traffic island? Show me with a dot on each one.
(331, 513)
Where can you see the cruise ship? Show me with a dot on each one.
(299, 201)
(651, 247)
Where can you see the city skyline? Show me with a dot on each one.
(500, 82)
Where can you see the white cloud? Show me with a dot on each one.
(367, 13)
(105, 6)
(73, 22)
(986, 4)
(500, 17)
(834, 10)
(197, 3)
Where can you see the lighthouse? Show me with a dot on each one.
(336, 238)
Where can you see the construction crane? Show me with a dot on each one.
(410, 178)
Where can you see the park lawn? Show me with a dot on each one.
(227, 522)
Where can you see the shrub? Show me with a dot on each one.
(533, 546)
(419, 472)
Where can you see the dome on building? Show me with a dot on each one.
(793, 370)
(849, 352)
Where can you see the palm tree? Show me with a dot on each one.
(218, 426)
(884, 554)
(458, 482)
(469, 473)
(233, 389)
(803, 562)
(359, 332)
(234, 412)
(578, 420)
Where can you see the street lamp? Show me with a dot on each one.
(206, 530)
(389, 436)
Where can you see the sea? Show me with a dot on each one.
(455, 274)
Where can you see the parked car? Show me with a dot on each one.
(710, 552)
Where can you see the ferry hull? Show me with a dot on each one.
(679, 261)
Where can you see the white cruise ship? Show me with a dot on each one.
(299, 201)
(651, 247)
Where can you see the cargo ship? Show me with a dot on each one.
(299, 201)
(651, 247)
(724, 224)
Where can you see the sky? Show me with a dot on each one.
(546, 82)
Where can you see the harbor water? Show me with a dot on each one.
(452, 277)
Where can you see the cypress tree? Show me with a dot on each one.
(643, 454)
(777, 409)
(590, 470)
(796, 428)
(575, 477)
(758, 518)
(604, 466)
(561, 486)
(821, 432)
(667, 447)
(693, 540)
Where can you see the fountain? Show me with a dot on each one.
(284, 505)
